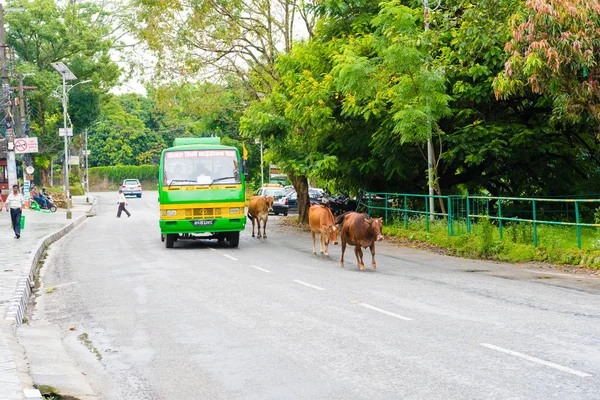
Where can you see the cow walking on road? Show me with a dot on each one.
(258, 210)
(361, 231)
(320, 220)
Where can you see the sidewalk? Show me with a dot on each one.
(16, 259)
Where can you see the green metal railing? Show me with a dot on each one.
(462, 212)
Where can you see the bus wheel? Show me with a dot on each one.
(170, 240)
(234, 239)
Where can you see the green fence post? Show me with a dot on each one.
(500, 217)
(386, 208)
(450, 228)
(487, 212)
(427, 213)
(535, 238)
(468, 215)
(405, 213)
(578, 226)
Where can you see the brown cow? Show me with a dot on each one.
(320, 219)
(258, 210)
(357, 229)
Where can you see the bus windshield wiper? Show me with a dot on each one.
(180, 180)
(221, 179)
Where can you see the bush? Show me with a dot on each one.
(108, 178)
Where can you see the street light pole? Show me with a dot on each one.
(66, 161)
(67, 75)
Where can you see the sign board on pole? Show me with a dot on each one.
(10, 134)
(26, 145)
(61, 131)
(29, 170)
(74, 160)
(26, 188)
(87, 152)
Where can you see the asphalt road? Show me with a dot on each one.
(269, 320)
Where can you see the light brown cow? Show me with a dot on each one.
(359, 230)
(258, 210)
(320, 220)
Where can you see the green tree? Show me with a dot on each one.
(77, 33)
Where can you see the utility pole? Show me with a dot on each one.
(430, 174)
(87, 173)
(11, 161)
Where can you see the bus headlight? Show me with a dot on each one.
(171, 213)
(234, 210)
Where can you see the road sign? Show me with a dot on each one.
(29, 170)
(86, 152)
(61, 131)
(26, 145)
(74, 160)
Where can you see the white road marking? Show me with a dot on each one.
(308, 284)
(228, 256)
(391, 314)
(260, 269)
(536, 360)
(212, 249)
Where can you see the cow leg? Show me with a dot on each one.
(359, 257)
(253, 227)
(373, 264)
(343, 250)
(321, 242)
(258, 221)
(314, 248)
(325, 241)
(265, 229)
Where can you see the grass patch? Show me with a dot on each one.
(84, 338)
(556, 244)
(52, 393)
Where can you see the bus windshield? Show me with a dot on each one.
(200, 167)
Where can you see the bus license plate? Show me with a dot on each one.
(207, 222)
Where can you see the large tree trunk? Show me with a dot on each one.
(301, 185)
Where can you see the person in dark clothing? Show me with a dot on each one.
(14, 202)
(122, 203)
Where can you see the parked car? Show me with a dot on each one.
(292, 200)
(280, 203)
(315, 197)
(132, 187)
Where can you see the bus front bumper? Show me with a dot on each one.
(202, 225)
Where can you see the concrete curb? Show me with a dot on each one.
(17, 306)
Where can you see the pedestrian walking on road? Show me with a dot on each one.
(14, 203)
(122, 203)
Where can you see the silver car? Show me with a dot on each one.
(132, 187)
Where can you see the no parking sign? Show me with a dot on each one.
(26, 145)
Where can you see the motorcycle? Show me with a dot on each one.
(49, 202)
(339, 204)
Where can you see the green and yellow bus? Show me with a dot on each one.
(201, 191)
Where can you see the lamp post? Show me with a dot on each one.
(67, 75)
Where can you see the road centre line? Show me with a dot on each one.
(391, 314)
(230, 257)
(260, 269)
(536, 360)
(308, 285)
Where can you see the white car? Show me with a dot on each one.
(132, 187)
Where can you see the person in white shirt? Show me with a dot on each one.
(14, 203)
(122, 203)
